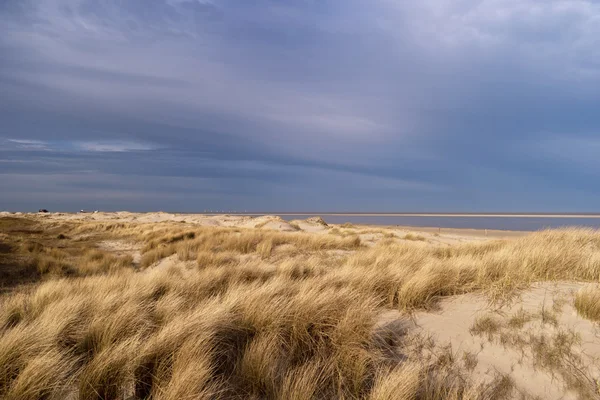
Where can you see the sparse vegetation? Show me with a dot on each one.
(239, 320)
(470, 360)
(551, 350)
(295, 225)
(488, 325)
(519, 319)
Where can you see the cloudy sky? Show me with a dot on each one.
(372, 105)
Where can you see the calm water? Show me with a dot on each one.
(500, 222)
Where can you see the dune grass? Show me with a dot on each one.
(414, 237)
(257, 314)
(242, 242)
(30, 251)
(587, 303)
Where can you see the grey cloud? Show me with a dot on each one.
(389, 97)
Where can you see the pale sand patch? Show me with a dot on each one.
(269, 222)
(222, 220)
(164, 263)
(309, 227)
(122, 247)
(312, 225)
(170, 262)
(497, 353)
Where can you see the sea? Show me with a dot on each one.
(496, 222)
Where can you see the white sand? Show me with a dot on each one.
(452, 323)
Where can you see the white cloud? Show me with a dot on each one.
(24, 144)
(117, 146)
(114, 146)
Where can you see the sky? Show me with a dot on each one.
(300, 105)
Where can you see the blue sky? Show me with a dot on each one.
(379, 105)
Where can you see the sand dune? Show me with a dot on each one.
(125, 305)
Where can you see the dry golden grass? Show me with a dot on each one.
(245, 241)
(259, 314)
(30, 251)
(587, 303)
(414, 237)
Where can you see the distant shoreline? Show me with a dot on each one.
(521, 222)
(353, 214)
(461, 215)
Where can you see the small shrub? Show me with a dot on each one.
(413, 237)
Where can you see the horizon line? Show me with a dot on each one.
(410, 214)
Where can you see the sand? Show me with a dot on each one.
(501, 352)
(513, 350)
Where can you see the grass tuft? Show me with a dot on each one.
(587, 302)
(414, 237)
